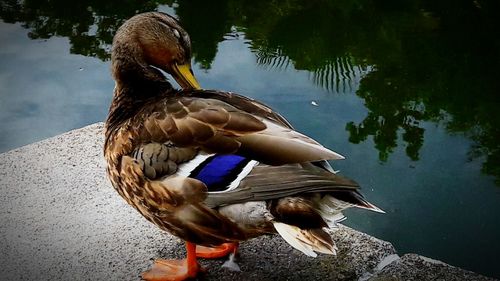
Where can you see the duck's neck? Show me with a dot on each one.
(137, 83)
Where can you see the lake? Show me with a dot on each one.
(408, 92)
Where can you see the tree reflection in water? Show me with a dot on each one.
(414, 61)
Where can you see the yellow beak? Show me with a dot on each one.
(184, 76)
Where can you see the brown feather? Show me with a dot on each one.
(219, 127)
(211, 114)
(319, 240)
(296, 211)
(266, 182)
(174, 204)
(206, 226)
(240, 102)
(221, 144)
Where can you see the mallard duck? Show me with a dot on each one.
(213, 168)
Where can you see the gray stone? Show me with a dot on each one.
(60, 219)
(415, 267)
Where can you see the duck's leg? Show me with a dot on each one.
(175, 270)
(216, 252)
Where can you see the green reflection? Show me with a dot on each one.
(206, 22)
(410, 61)
(89, 25)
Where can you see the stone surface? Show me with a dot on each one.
(415, 267)
(60, 219)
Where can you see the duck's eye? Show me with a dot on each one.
(176, 33)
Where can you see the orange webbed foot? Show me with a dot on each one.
(175, 270)
(172, 270)
(216, 252)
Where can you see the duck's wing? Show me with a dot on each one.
(174, 129)
(266, 182)
(243, 103)
(256, 108)
(219, 122)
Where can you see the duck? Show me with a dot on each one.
(213, 168)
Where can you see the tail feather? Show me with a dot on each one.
(323, 241)
(352, 198)
(364, 204)
(330, 206)
(306, 241)
(330, 209)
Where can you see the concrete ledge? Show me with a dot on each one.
(61, 220)
(415, 267)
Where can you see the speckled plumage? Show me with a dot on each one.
(154, 133)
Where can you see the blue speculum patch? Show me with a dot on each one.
(218, 171)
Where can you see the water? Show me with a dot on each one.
(408, 92)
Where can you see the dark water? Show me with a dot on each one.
(409, 92)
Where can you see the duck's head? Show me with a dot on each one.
(153, 40)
